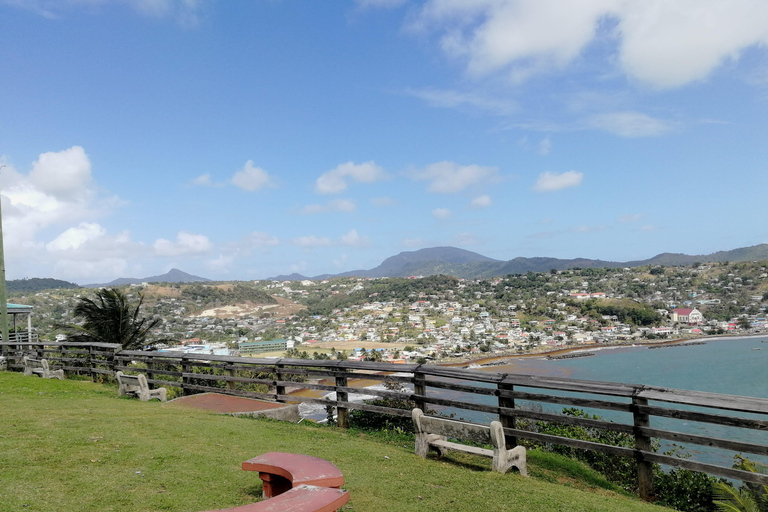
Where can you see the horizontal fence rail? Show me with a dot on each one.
(723, 423)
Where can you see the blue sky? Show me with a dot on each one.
(241, 140)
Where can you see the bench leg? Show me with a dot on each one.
(274, 485)
(505, 459)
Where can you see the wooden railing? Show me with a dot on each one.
(646, 413)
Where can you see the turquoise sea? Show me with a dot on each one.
(721, 365)
(733, 366)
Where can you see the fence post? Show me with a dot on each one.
(642, 442)
(507, 420)
(91, 363)
(342, 413)
(230, 383)
(185, 381)
(279, 390)
(420, 389)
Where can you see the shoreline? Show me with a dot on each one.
(487, 362)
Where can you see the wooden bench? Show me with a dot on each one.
(432, 432)
(282, 471)
(303, 498)
(136, 385)
(40, 367)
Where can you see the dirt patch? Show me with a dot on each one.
(282, 309)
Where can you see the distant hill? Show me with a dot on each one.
(470, 265)
(172, 276)
(36, 284)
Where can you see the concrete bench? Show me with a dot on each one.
(136, 385)
(281, 472)
(432, 432)
(303, 498)
(40, 367)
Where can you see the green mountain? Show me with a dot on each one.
(36, 284)
(470, 265)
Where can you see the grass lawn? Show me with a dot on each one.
(74, 446)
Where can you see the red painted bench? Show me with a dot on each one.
(303, 498)
(282, 471)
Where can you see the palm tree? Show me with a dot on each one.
(111, 318)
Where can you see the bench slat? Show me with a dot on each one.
(475, 450)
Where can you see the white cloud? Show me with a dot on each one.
(57, 193)
(545, 146)
(631, 217)
(550, 181)
(452, 99)
(251, 178)
(664, 43)
(185, 12)
(261, 239)
(441, 213)
(630, 124)
(449, 177)
(483, 201)
(383, 4)
(311, 241)
(204, 180)
(75, 237)
(186, 244)
(589, 229)
(337, 205)
(353, 239)
(335, 180)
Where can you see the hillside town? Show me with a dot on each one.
(441, 318)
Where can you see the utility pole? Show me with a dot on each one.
(3, 293)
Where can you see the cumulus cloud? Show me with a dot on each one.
(311, 241)
(630, 124)
(450, 177)
(252, 178)
(204, 180)
(335, 180)
(353, 239)
(663, 43)
(483, 201)
(75, 237)
(58, 191)
(441, 213)
(186, 244)
(550, 181)
(338, 205)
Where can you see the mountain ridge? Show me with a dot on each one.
(172, 276)
(470, 265)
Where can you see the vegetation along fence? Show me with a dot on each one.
(710, 421)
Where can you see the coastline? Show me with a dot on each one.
(499, 360)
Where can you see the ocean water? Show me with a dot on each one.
(727, 365)
(734, 366)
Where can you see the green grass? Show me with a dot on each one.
(74, 446)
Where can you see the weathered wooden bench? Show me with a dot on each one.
(281, 472)
(303, 498)
(33, 366)
(136, 385)
(433, 433)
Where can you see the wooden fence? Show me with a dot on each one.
(639, 411)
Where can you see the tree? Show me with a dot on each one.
(111, 318)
